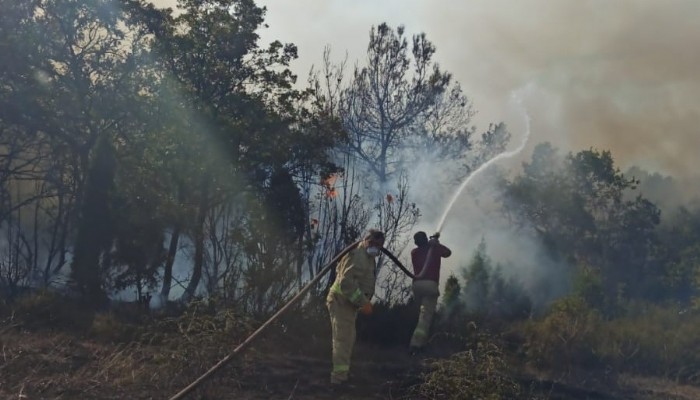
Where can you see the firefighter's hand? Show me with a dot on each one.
(366, 308)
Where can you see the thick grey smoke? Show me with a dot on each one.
(614, 75)
(619, 76)
(476, 215)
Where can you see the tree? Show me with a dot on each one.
(397, 109)
(488, 293)
(96, 226)
(451, 295)
(62, 97)
(477, 281)
(578, 206)
(237, 111)
(396, 216)
(338, 216)
(387, 98)
(680, 236)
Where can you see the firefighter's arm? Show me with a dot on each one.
(444, 251)
(349, 285)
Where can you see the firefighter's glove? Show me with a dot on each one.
(366, 309)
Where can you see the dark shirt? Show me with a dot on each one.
(418, 256)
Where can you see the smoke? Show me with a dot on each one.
(625, 71)
(469, 213)
(619, 76)
(485, 166)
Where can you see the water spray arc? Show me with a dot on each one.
(486, 165)
(470, 178)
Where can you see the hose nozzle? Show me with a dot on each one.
(435, 235)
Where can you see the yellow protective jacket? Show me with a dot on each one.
(355, 278)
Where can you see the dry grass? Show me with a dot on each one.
(657, 388)
(59, 366)
(112, 359)
(153, 358)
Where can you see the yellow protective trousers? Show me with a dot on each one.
(426, 294)
(343, 315)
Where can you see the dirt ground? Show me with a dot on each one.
(48, 365)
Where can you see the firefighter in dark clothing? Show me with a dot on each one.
(426, 258)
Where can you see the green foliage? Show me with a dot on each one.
(488, 294)
(589, 287)
(451, 294)
(478, 283)
(234, 123)
(584, 211)
(680, 236)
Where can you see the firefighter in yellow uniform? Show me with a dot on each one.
(351, 292)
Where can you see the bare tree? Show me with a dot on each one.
(386, 98)
(397, 215)
(339, 216)
(222, 275)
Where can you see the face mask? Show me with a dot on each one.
(373, 251)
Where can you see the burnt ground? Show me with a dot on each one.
(61, 365)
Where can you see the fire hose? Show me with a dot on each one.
(397, 262)
(281, 311)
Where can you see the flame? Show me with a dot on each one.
(329, 183)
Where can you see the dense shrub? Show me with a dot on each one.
(660, 341)
(566, 336)
(648, 340)
(481, 372)
(46, 309)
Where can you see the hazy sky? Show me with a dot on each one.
(621, 75)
